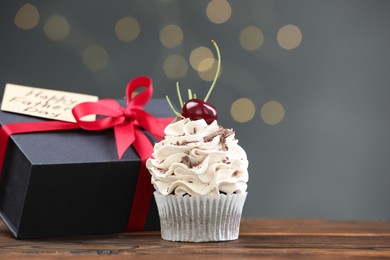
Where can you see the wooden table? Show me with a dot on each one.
(259, 238)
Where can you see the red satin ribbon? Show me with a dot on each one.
(127, 123)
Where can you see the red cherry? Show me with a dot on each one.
(196, 109)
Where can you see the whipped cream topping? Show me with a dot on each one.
(198, 159)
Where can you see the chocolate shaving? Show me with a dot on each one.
(187, 161)
(188, 142)
(224, 145)
(226, 160)
(224, 133)
(210, 137)
(184, 143)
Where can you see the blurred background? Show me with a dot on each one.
(305, 84)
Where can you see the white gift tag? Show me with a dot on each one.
(46, 103)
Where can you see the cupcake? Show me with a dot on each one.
(200, 175)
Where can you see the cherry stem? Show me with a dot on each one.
(217, 73)
(171, 106)
(178, 94)
(189, 94)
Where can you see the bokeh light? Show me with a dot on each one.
(201, 59)
(27, 17)
(175, 66)
(272, 112)
(127, 29)
(95, 57)
(219, 11)
(56, 28)
(243, 110)
(289, 37)
(171, 36)
(209, 74)
(251, 38)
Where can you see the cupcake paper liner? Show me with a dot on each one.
(200, 218)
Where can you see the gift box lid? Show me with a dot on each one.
(61, 147)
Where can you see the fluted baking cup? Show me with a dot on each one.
(200, 218)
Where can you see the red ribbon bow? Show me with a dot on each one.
(127, 123)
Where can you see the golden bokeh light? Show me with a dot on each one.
(206, 64)
(201, 59)
(272, 112)
(171, 36)
(56, 28)
(251, 38)
(219, 11)
(27, 17)
(208, 74)
(127, 29)
(289, 37)
(175, 67)
(95, 57)
(243, 110)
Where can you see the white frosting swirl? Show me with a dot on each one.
(198, 159)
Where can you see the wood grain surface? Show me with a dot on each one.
(259, 238)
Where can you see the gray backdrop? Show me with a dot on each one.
(328, 156)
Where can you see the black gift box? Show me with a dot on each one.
(67, 183)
